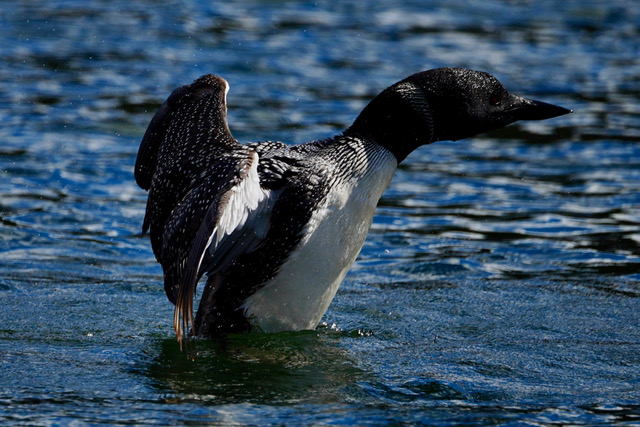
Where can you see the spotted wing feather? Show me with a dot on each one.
(188, 160)
(234, 223)
(187, 134)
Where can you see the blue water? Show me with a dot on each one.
(500, 283)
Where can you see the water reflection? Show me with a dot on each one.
(289, 368)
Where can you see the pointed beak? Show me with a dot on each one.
(528, 109)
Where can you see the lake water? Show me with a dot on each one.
(500, 283)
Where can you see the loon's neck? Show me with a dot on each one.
(399, 119)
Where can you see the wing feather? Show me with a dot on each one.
(241, 215)
(211, 200)
(188, 134)
(147, 159)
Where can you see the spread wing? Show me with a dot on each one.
(203, 185)
(211, 201)
(233, 218)
(186, 136)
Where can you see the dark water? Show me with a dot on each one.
(500, 283)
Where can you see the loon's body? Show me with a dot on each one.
(353, 176)
(275, 227)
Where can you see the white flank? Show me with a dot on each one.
(299, 295)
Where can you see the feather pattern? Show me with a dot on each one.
(242, 201)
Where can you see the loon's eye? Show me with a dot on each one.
(495, 99)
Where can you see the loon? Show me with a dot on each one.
(276, 227)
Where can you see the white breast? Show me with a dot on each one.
(299, 295)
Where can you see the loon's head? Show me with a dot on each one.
(443, 104)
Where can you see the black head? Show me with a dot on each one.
(443, 104)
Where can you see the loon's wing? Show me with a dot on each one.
(192, 165)
(187, 134)
(231, 212)
(192, 115)
(211, 201)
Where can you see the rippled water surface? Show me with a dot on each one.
(500, 282)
